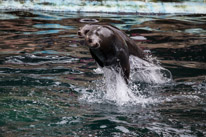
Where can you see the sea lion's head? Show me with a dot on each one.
(98, 36)
(85, 29)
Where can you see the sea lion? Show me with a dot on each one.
(132, 46)
(109, 49)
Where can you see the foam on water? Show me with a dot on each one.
(113, 89)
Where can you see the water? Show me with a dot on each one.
(113, 88)
(49, 85)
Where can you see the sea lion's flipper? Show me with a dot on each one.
(97, 59)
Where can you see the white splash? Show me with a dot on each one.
(113, 89)
(116, 88)
(144, 71)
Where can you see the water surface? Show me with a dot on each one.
(45, 71)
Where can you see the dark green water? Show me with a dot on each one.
(45, 69)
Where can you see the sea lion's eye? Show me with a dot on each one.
(79, 33)
(86, 31)
(97, 34)
(90, 40)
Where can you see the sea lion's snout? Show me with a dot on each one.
(92, 43)
(79, 33)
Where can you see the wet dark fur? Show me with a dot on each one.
(132, 46)
(113, 52)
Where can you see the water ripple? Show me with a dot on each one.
(32, 59)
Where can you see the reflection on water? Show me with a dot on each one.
(45, 69)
